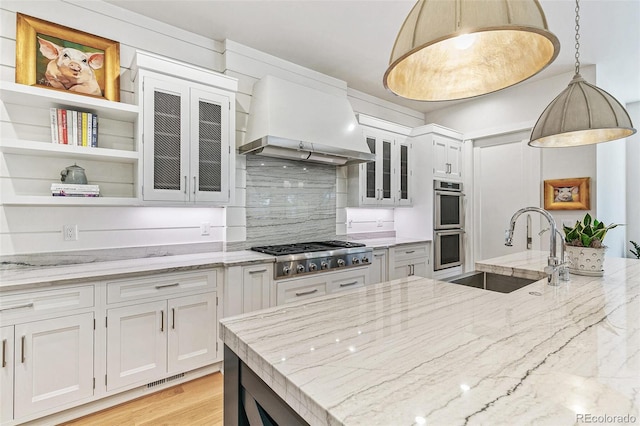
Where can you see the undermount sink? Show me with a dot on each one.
(490, 281)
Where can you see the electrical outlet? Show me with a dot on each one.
(350, 223)
(379, 223)
(205, 228)
(70, 232)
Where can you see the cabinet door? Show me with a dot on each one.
(193, 331)
(386, 172)
(421, 268)
(454, 158)
(369, 189)
(256, 288)
(53, 363)
(136, 344)
(209, 165)
(440, 153)
(401, 269)
(6, 374)
(165, 140)
(405, 174)
(379, 267)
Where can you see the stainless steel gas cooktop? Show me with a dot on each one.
(316, 257)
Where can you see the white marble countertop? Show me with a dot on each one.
(11, 279)
(389, 241)
(422, 351)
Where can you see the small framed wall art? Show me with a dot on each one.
(566, 194)
(57, 57)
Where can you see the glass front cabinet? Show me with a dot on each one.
(187, 140)
(387, 180)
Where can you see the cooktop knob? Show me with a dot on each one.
(286, 270)
(324, 265)
(365, 259)
(355, 260)
(300, 268)
(340, 262)
(313, 267)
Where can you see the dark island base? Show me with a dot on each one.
(249, 401)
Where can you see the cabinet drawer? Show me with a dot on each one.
(160, 285)
(411, 252)
(26, 305)
(301, 289)
(349, 280)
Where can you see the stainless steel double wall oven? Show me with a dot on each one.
(448, 224)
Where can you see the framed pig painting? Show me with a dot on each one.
(56, 57)
(566, 194)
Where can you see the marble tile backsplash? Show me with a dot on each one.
(289, 201)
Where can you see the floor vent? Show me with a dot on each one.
(168, 379)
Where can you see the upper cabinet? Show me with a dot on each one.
(447, 157)
(187, 132)
(387, 181)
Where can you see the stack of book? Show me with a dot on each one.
(74, 190)
(70, 127)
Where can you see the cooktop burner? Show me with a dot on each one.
(316, 257)
(284, 249)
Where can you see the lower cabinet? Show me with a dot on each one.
(153, 339)
(295, 289)
(379, 266)
(408, 260)
(46, 364)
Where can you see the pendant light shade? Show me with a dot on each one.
(582, 114)
(458, 49)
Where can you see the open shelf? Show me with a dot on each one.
(23, 147)
(22, 94)
(43, 200)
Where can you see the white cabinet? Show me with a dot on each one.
(248, 288)
(295, 289)
(6, 374)
(53, 362)
(256, 287)
(33, 162)
(447, 157)
(160, 325)
(408, 260)
(188, 131)
(387, 181)
(47, 351)
(379, 266)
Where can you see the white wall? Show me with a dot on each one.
(632, 229)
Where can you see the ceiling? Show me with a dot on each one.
(352, 39)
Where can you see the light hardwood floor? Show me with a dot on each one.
(198, 402)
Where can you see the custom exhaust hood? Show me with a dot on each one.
(291, 121)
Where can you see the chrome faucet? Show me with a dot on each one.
(563, 271)
(553, 266)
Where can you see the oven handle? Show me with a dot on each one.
(445, 192)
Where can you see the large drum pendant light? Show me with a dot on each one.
(457, 49)
(582, 114)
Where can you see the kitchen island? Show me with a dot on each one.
(422, 351)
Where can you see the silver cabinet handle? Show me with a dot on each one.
(158, 287)
(348, 284)
(259, 271)
(173, 318)
(378, 255)
(22, 357)
(162, 320)
(194, 184)
(4, 353)
(26, 305)
(185, 184)
(305, 293)
(410, 251)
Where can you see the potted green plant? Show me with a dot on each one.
(584, 245)
(637, 247)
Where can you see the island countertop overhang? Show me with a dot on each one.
(415, 348)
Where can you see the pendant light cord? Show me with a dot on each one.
(577, 37)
